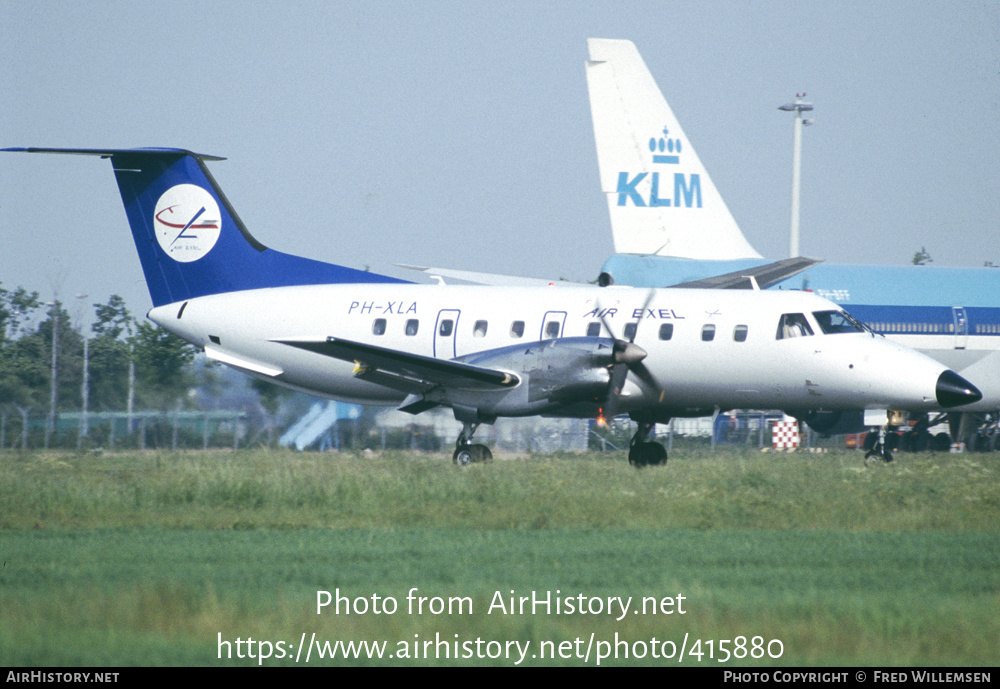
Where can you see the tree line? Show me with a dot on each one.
(45, 358)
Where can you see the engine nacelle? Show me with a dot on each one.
(555, 374)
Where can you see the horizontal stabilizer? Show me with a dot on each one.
(242, 362)
(764, 276)
(109, 152)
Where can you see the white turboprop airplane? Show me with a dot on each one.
(670, 225)
(488, 352)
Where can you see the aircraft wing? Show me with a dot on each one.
(410, 373)
(764, 276)
(477, 278)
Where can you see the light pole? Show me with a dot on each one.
(50, 424)
(798, 107)
(85, 385)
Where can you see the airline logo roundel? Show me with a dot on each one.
(187, 222)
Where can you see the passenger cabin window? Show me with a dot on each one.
(412, 326)
(517, 329)
(479, 329)
(594, 329)
(446, 327)
(833, 322)
(666, 331)
(707, 332)
(378, 326)
(551, 330)
(793, 325)
(629, 331)
(740, 333)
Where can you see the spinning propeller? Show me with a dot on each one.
(625, 356)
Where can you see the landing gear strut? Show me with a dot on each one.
(644, 452)
(880, 451)
(466, 452)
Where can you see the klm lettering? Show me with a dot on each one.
(687, 191)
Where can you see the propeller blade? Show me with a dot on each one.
(627, 356)
(645, 305)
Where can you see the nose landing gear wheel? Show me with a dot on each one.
(876, 458)
(880, 446)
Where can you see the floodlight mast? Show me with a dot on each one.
(798, 107)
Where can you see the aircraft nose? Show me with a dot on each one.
(953, 390)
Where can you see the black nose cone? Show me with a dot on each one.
(953, 390)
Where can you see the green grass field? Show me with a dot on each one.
(142, 559)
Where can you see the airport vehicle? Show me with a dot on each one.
(487, 352)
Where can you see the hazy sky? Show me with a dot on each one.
(458, 134)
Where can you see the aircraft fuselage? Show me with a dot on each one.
(705, 348)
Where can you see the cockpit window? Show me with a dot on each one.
(793, 325)
(833, 322)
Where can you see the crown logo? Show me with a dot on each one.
(664, 144)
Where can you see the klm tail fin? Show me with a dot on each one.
(191, 242)
(661, 199)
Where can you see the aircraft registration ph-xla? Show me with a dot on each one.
(670, 225)
(488, 352)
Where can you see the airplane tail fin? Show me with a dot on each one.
(191, 242)
(661, 199)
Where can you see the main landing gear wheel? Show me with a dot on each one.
(471, 454)
(643, 452)
(466, 452)
(647, 454)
